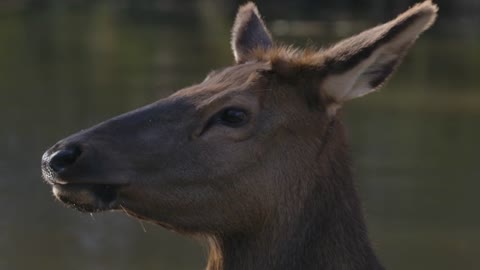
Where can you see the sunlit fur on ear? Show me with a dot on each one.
(361, 64)
(355, 66)
(249, 33)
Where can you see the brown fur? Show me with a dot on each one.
(276, 191)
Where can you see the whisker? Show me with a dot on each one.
(141, 223)
(143, 226)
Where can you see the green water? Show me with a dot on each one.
(415, 143)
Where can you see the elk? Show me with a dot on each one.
(254, 159)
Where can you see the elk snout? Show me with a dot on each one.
(59, 160)
(64, 158)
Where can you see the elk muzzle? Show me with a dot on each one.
(63, 166)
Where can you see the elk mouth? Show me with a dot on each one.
(88, 197)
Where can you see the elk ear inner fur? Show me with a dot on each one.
(249, 33)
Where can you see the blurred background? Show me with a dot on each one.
(65, 65)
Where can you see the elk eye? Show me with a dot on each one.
(233, 117)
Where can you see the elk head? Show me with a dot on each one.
(230, 153)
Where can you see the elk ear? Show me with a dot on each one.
(249, 33)
(361, 64)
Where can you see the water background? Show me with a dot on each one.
(65, 65)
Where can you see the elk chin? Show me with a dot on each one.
(88, 197)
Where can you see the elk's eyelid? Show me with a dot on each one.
(233, 117)
(216, 119)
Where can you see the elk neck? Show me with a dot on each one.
(323, 229)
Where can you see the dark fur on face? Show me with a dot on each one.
(254, 159)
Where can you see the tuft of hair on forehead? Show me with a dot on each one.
(284, 58)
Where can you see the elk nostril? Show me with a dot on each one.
(64, 158)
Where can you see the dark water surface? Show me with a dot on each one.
(415, 143)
